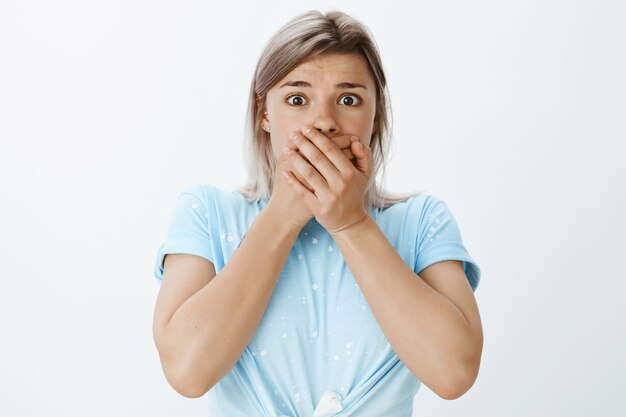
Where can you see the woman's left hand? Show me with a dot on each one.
(337, 198)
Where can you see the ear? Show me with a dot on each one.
(264, 119)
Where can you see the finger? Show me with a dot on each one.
(343, 142)
(284, 164)
(309, 198)
(348, 154)
(363, 157)
(316, 158)
(344, 149)
(306, 170)
(297, 174)
(300, 178)
(332, 153)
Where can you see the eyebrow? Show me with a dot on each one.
(307, 84)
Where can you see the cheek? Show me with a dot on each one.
(279, 142)
(277, 147)
(362, 130)
(281, 131)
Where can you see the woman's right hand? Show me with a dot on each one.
(284, 201)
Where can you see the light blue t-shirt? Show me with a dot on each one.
(318, 350)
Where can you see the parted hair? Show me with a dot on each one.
(307, 35)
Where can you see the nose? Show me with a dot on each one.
(324, 121)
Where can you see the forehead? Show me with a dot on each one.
(332, 67)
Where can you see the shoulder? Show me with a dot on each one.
(200, 190)
(415, 206)
(434, 217)
(427, 208)
(421, 214)
(218, 204)
(207, 193)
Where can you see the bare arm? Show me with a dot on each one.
(202, 321)
(432, 323)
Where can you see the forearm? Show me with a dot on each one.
(209, 331)
(425, 329)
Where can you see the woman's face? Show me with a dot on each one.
(333, 93)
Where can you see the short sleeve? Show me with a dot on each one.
(188, 230)
(439, 239)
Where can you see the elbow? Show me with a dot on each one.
(465, 373)
(190, 391)
(456, 387)
(184, 377)
(453, 391)
(187, 384)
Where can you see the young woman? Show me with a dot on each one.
(341, 300)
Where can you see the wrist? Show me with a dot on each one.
(280, 221)
(354, 228)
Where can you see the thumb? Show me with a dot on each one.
(363, 156)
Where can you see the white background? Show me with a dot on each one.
(513, 112)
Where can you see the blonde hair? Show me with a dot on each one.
(307, 35)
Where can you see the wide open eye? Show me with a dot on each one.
(298, 100)
(349, 100)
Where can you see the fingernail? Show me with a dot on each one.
(306, 129)
(353, 138)
(360, 145)
(287, 150)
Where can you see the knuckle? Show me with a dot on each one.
(309, 172)
(316, 157)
